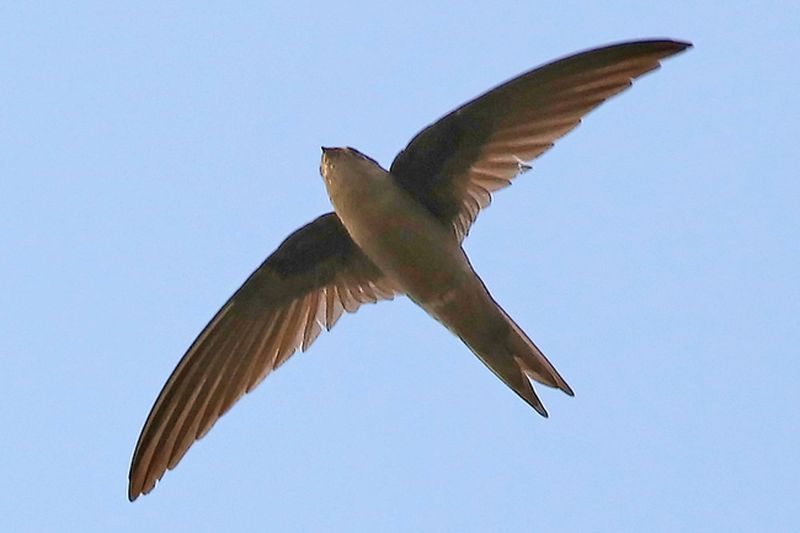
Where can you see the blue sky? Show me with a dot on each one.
(152, 155)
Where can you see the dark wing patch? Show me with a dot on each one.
(315, 275)
(453, 165)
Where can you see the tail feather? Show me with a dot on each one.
(510, 354)
(473, 315)
(510, 370)
(531, 359)
(515, 359)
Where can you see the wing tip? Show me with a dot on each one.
(673, 47)
(135, 489)
(664, 43)
(679, 44)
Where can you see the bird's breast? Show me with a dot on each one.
(400, 236)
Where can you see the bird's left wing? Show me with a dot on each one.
(454, 165)
(315, 274)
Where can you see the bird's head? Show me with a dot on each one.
(328, 162)
(334, 160)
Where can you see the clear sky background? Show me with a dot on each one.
(152, 154)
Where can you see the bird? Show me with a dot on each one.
(391, 233)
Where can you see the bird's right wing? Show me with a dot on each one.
(315, 274)
(455, 164)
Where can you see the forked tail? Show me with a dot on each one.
(473, 315)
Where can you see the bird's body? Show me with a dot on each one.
(424, 259)
(395, 232)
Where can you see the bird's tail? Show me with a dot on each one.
(529, 362)
(499, 343)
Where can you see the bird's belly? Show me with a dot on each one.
(408, 244)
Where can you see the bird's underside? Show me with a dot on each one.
(441, 181)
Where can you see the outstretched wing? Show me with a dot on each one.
(454, 165)
(315, 274)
